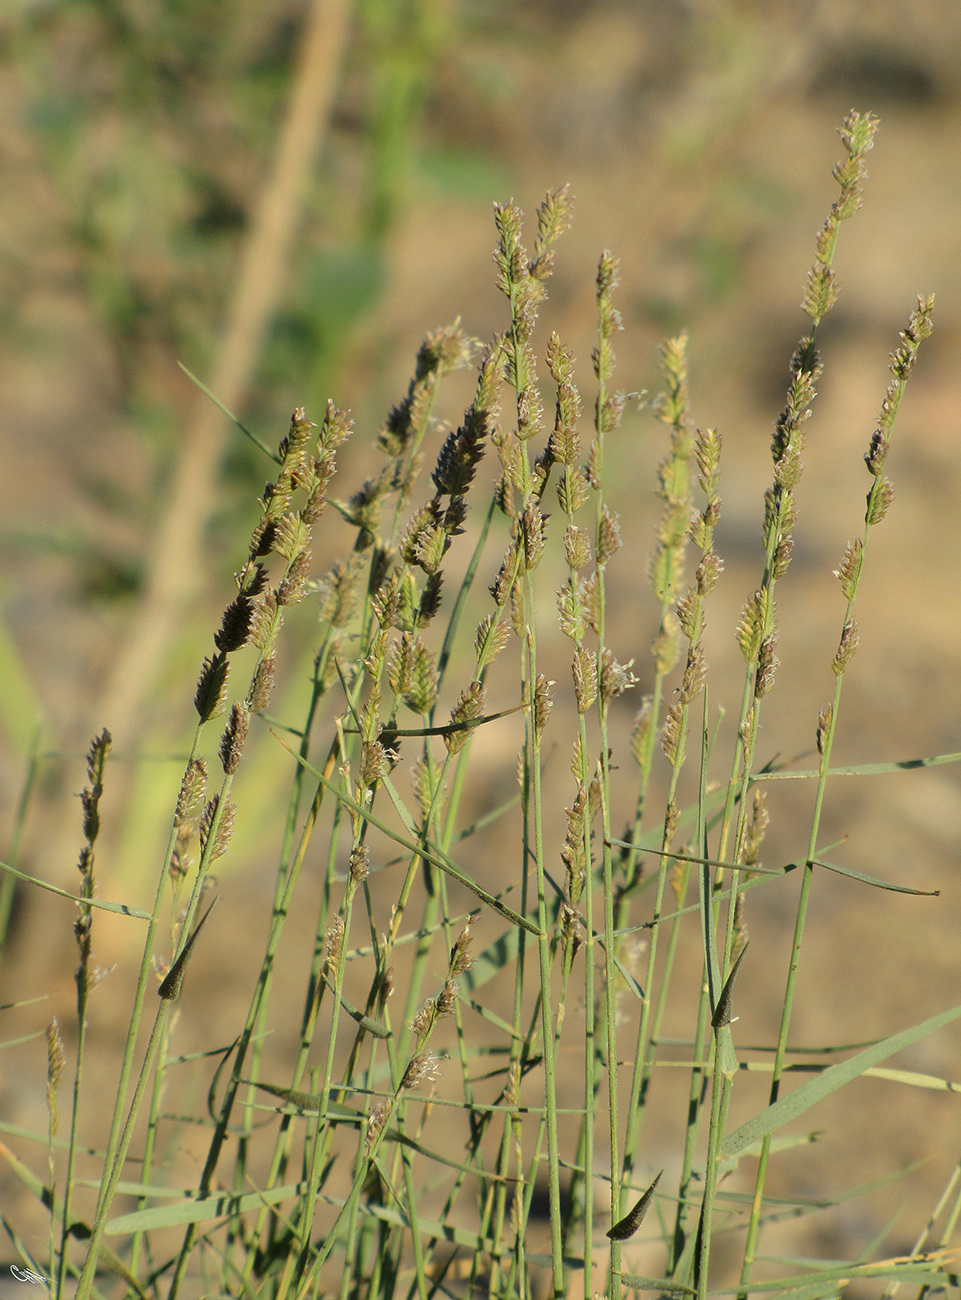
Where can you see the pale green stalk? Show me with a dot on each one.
(849, 576)
(113, 1172)
(666, 572)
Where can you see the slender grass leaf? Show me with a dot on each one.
(640, 1283)
(915, 1080)
(873, 880)
(389, 734)
(920, 1268)
(860, 769)
(202, 1210)
(836, 1076)
(261, 446)
(102, 903)
(493, 1018)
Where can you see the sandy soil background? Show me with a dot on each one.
(698, 141)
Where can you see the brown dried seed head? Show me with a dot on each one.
(694, 673)
(610, 412)
(252, 579)
(615, 677)
(421, 695)
(591, 593)
(422, 1066)
(55, 1054)
(553, 217)
(584, 669)
(744, 733)
(489, 641)
(430, 600)
(263, 622)
(336, 428)
(708, 571)
(501, 588)
(543, 704)
(879, 500)
(707, 449)
(262, 538)
(850, 639)
(608, 536)
(782, 558)
(569, 923)
(376, 1124)
(687, 609)
(877, 453)
(461, 959)
(359, 863)
(263, 684)
(518, 618)
(234, 737)
(564, 443)
(577, 547)
(334, 942)
(821, 292)
(293, 537)
(423, 1022)
(789, 467)
(225, 831)
(401, 670)
(530, 407)
(211, 691)
(672, 820)
(767, 665)
(294, 585)
(235, 625)
(848, 573)
(447, 1000)
(208, 820)
(572, 491)
(97, 756)
(374, 763)
(386, 601)
(750, 626)
(533, 534)
(672, 734)
(469, 706)
(570, 609)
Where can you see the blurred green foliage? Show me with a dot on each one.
(155, 124)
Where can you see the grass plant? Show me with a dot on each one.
(425, 1135)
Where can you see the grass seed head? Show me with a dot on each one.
(234, 737)
(847, 648)
(263, 684)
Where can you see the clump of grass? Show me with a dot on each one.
(401, 1147)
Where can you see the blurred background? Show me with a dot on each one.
(283, 198)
